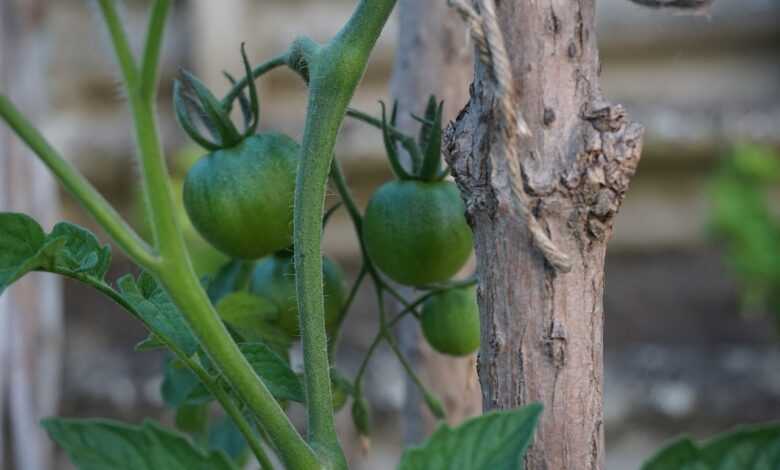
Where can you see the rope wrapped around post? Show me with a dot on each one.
(489, 41)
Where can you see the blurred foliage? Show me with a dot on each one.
(205, 258)
(746, 218)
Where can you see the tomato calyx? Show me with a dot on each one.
(191, 98)
(424, 152)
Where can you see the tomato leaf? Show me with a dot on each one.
(225, 436)
(748, 448)
(180, 386)
(494, 441)
(21, 238)
(102, 444)
(68, 250)
(273, 370)
(231, 277)
(282, 381)
(155, 308)
(245, 311)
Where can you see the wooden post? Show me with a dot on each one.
(541, 328)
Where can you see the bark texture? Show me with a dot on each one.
(542, 330)
(433, 57)
(31, 336)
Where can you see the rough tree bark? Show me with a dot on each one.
(433, 57)
(542, 329)
(30, 311)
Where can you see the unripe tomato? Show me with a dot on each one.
(450, 321)
(274, 279)
(240, 199)
(416, 231)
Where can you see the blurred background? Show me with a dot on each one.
(692, 342)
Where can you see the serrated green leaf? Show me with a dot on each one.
(180, 386)
(749, 448)
(68, 250)
(245, 311)
(225, 436)
(232, 276)
(82, 252)
(494, 441)
(281, 381)
(20, 240)
(192, 419)
(157, 310)
(104, 444)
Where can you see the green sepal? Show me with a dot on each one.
(243, 101)
(427, 121)
(181, 108)
(254, 101)
(430, 142)
(391, 148)
(215, 114)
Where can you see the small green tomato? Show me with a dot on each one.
(450, 321)
(274, 279)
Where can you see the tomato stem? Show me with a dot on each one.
(152, 48)
(334, 71)
(175, 270)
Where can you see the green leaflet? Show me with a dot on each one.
(68, 250)
(180, 386)
(494, 441)
(225, 436)
(105, 444)
(151, 303)
(747, 448)
(282, 382)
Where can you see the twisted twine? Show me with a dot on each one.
(489, 40)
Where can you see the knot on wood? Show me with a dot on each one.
(609, 157)
(557, 344)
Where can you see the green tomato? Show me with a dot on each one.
(274, 279)
(450, 321)
(240, 199)
(416, 231)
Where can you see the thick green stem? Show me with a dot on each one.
(335, 71)
(176, 272)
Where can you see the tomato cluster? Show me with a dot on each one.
(239, 197)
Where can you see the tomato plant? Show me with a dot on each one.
(228, 336)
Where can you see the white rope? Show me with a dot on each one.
(489, 41)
